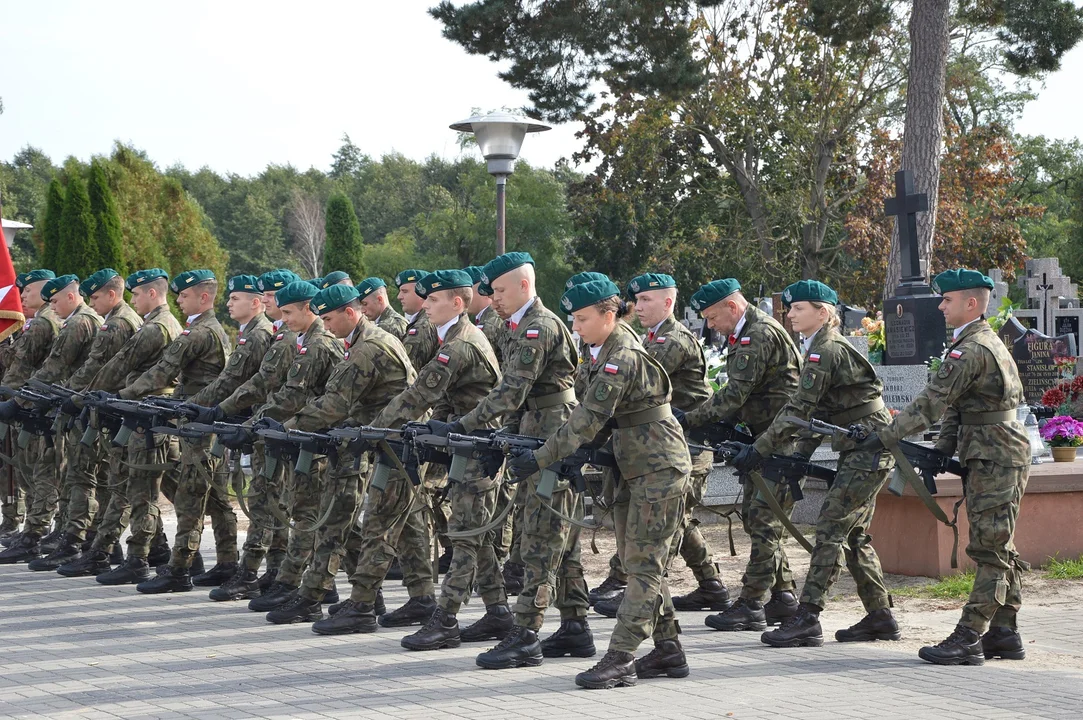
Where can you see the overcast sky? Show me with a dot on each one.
(237, 85)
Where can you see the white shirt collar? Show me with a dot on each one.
(594, 350)
(518, 314)
(277, 324)
(301, 341)
(959, 330)
(442, 330)
(349, 338)
(242, 327)
(740, 326)
(808, 341)
(481, 313)
(409, 317)
(191, 318)
(654, 330)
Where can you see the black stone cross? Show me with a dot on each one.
(905, 206)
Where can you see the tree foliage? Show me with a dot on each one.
(343, 249)
(78, 253)
(49, 225)
(107, 232)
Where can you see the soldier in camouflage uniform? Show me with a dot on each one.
(374, 370)
(200, 471)
(377, 308)
(105, 292)
(838, 384)
(318, 352)
(265, 537)
(630, 389)
(762, 367)
(976, 392)
(335, 277)
(29, 351)
(485, 316)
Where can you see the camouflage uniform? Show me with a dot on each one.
(390, 321)
(85, 494)
(13, 507)
(762, 367)
(978, 376)
(535, 397)
(69, 351)
(420, 340)
(463, 372)
(838, 384)
(200, 471)
(374, 370)
(318, 353)
(495, 329)
(630, 387)
(264, 534)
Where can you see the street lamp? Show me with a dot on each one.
(500, 137)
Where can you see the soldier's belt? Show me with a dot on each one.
(643, 417)
(854, 414)
(994, 417)
(547, 401)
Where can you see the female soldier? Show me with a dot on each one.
(837, 384)
(631, 389)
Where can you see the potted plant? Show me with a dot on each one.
(1063, 434)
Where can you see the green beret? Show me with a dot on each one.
(275, 280)
(190, 278)
(580, 278)
(295, 292)
(810, 291)
(588, 293)
(369, 285)
(961, 279)
(95, 281)
(485, 289)
(712, 292)
(475, 273)
(442, 280)
(244, 283)
(333, 278)
(333, 297)
(409, 276)
(33, 276)
(316, 282)
(649, 281)
(503, 264)
(55, 285)
(142, 277)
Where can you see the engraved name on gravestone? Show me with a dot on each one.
(1068, 322)
(1035, 355)
(901, 335)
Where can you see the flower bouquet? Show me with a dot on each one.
(1063, 434)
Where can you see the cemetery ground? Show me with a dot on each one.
(74, 649)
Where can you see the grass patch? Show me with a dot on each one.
(952, 587)
(1059, 569)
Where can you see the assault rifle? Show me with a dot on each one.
(34, 420)
(301, 447)
(145, 415)
(719, 432)
(410, 446)
(779, 468)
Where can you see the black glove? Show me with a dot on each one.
(443, 429)
(8, 410)
(872, 443)
(70, 408)
(747, 459)
(679, 414)
(522, 463)
(233, 438)
(266, 423)
(207, 415)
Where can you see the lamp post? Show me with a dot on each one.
(500, 137)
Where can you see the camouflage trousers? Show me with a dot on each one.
(396, 522)
(993, 493)
(768, 568)
(549, 548)
(203, 484)
(651, 507)
(12, 486)
(304, 504)
(842, 532)
(86, 496)
(503, 538)
(340, 501)
(267, 535)
(46, 465)
(472, 503)
(112, 521)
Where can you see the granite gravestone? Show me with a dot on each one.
(999, 292)
(1047, 291)
(1068, 322)
(1035, 355)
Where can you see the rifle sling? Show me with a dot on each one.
(772, 502)
(496, 522)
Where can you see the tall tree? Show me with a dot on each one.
(344, 248)
(50, 223)
(107, 233)
(78, 246)
(308, 228)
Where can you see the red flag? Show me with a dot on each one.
(11, 303)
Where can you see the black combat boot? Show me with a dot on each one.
(416, 611)
(216, 575)
(299, 609)
(92, 562)
(518, 648)
(242, 586)
(67, 551)
(616, 669)
(963, 647)
(610, 588)
(7, 527)
(331, 596)
(25, 549)
(493, 625)
(667, 659)
(395, 571)
(274, 562)
(89, 541)
(51, 541)
(348, 617)
(169, 579)
(608, 607)
(514, 578)
(276, 596)
(116, 555)
(802, 630)
(132, 571)
(1002, 642)
(877, 625)
(573, 638)
(12, 538)
(160, 554)
(196, 568)
(378, 607)
(781, 607)
(742, 615)
(710, 595)
(441, 631)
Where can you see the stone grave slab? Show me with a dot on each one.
(1034, 355)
